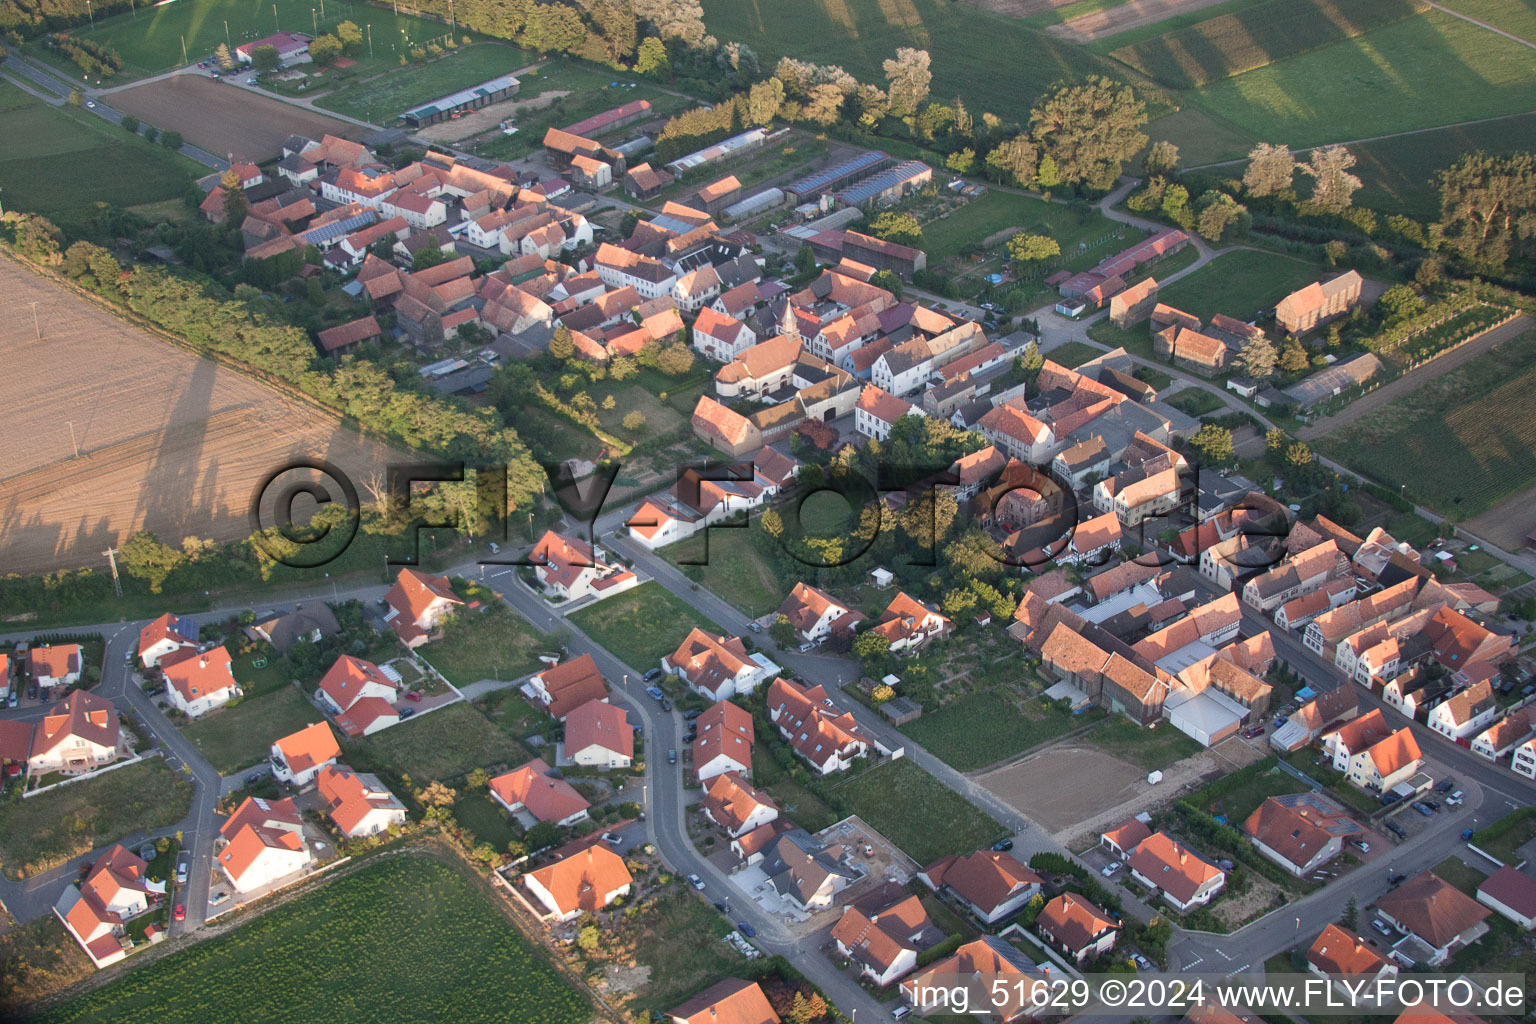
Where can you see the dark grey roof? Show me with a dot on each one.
(283, 631)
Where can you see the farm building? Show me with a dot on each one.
(743, 143)
(1160, 244)
(1307, 307)
(901, 260)
(1327, 383)
(838, 176)
(717, 195)
(754, 204)
(610, 119)
(482, 95)
(887, 186)
(645, 182)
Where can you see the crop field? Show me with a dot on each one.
(1397, 172)
(1237, 284)
(1231, 44)
(379, 100)
(1103, 21)
(1426, 71)
(441, 746)
(223, 118)
(437, 949)
(1440, 440)
(168, 441)
(917, 812)
(641, 626)
(150, 39)
(984, 728)
(1517, 17)
(993, 62)
(105, 163)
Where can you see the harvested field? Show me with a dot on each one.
(225, 118)
(1508, 525)
(1111, 21)
(1099, 783)
(168, 441)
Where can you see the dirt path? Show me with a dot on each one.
(1111, 21)
(1414, 379)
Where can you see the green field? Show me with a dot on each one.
(47, 830)
(997, 210)
(917, 812)
(1230, 44)
(105, 163)
(492, 643)
(1442, 442)
(1517, 17)
(1194, 402)
(1397, 172)
(234, 738)
(150, 39)
(1434, 69)
(434, 945)
(1157, 747)
(734, 570)
(993, 62)
(1242, 801)
(380, 100)
(642, 626)
(984, 728)
(1237, 284)
(1072, 354)
(440, 746)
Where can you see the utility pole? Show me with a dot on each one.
(90, 13)
(72, 441)
(314, 23)
(370, 40)
(117, 585)
(184, 49)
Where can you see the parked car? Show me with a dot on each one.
(1361, 845)
(653, 675)
(722, 908)
(1142, 963)
(413, 695)
(1447, 786)
(1396, 830)
(1254, 732)
(1108, 870)
(1003, 845)
(495, 548)
(406, 713)
(689, 716)
(1433, 805)
(671, 757)
(1455, 798)
(666, 705)
(180, 913)
(807, 647)
(612, 839)
(1466, 835)
(1422, 808)
(655, 693)
(14, 699)
(181, 872)
(1397, 879)
(756, 627)
(32, 692)
(696, 882)
(746, 929)
(1382, 927)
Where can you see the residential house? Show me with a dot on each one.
(1168, 867)
(1344, 957)
(1123, 839)
(876, 412)
(973, 471)
(761, 370)
(1300, 832)
(196, 681)
(1523, 761)
(298, 757)
(564, 687)
(1143, 491)
(262, 842)
(1297, 575)
(165, 635)
(724, 741)
(1305, 308)
(1082, 462)
(532, 788)
(805, 872)
(991, 884)
(77, 734)
(358, 804)
(1434, 912)
(1505, 735)
(581, 883)
(1017, 433)
(598, 735)
(1512, 893)
(829, 740)
(53, 665)
(572, 569)
(116, 889)
(816, 615)
(989, 971)
(1312, 719)
(883, 932)
(735, 806)
(1093, 541)
(1386, 763)
(907, 623)
(360, 695)
(1077, 927)
(718, 667)
(721, 337)
(731, 1001)
(419, 602)
(310, 623)
(1466, 714)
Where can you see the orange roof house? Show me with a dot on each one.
(164, 635)
(724, 741)
(1123, 839)
(816, 615)
(197, 682)
(1077, 926)
(731, 1001)
(262, 842)
(567, 686)
(360, 805)
(1436, 912)
(1346, 955)
(728, 431)
(987, 969)
(598, 734)
(77, 734)
(907, 623)
(53, 665)
(716, 666)
(586, 881)
(532, 789)
(884, 932)
(299, 756)
(736, 806)
(828, 739)
(1184, 877)
(418, 604)
(991, 884)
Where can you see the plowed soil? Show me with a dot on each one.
(168, 441)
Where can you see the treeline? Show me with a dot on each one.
(92, 58)
(25, 18)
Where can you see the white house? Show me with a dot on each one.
(1183, 877)
(1511, 893)
(572, 569)
(884, 938)
(165, 635)
(721, 337)
(55, 665)
(587, 880)
(876, 412)
(724, 741)
(116, 889)
(361, 695)
(76, 735)
(598, 735)
(1077, 927)
(991, 884)
(717, 667)
(298, 757)
(736, 806)
(360, 805)
(816, 615)
(197, 682)
(1466, 714)
(262, 842)
(418, 604)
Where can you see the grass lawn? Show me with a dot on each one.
(1201, 136)
(47, 830)
(450, 956)
(1504, 837)
(484, 817)
(1149, 748)
(660, 418)
(917, 812)
(495, 643)
(1445, 423)
(1157, 378)
(1194, 402)
(1460, 874)
(1072, 354)
(1396, 172)
(1311, 763)
(983, 728)
(807, 809)
(106, 163)
(1236, 284)
(1429, 70)
(381, 99)
(734, 570)
(998, 210)
(439, 746)
(1243, 801)
(993, 62)
(150, 38)
(1517, 17)
(586, 91)
(642, 626)
(234, 738)
(679, 939)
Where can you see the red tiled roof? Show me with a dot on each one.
(584, 879)
(196, 675)
(313, 745)
(545, 798)
(572, 683)
(598, 723)
(731, 1001)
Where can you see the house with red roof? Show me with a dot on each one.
(877, 412)
(196, 681)
(731, 1001)
(586, 881)
(1437, 915)
(418, 604)
(1123, 839)
(721, 337)
(116, 889)
(828, 739)
(1387, 762)
(884, 931)
(733, 804)
(1345, 958)
(718, 667)
(358, 803)
(532, 788)
(360, 695)
(298, 757)
(165, 635)
(907, 623)
(53, 665)
(598, 735)
(1511, 893)
(997, 979)
(571, 569)
(723, 742)
(1180, 875)
(564, 687)
(77, 735)
(991, 884)
(816, 615)
(1300, 832)
(262, 842)
(1077, 927)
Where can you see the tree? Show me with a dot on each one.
(909, 76)
(782, 631)
(145, 558)
(1258, 357)
(805, 258)
(1014, 162)
(651, 59)
(324, 49)
(871, 647)
(234, 197)
(1175, 206)
(1276, 439)
(764, 100)
(1334, 249)
(221, 55)
(1162, 158)
(1219, 216)
(675, 360)
(589, 937)
(609, 403)
(170, 139)
(901, 228)
(1213, 442)
(1025, 249)
(436, 795)
(1270, 169)
(130, 124)
(76, 98)
(350, 36)
(560, 344)
(1351, 917)
(957, 604)
(634, 421)
(542, 836)
(1488, 207)
(265, 58)
(1089, 129)
(1333, 187)
(1293, 358)
(824, 104)
(1298, 454)
(1398, 304)
(478, 779)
